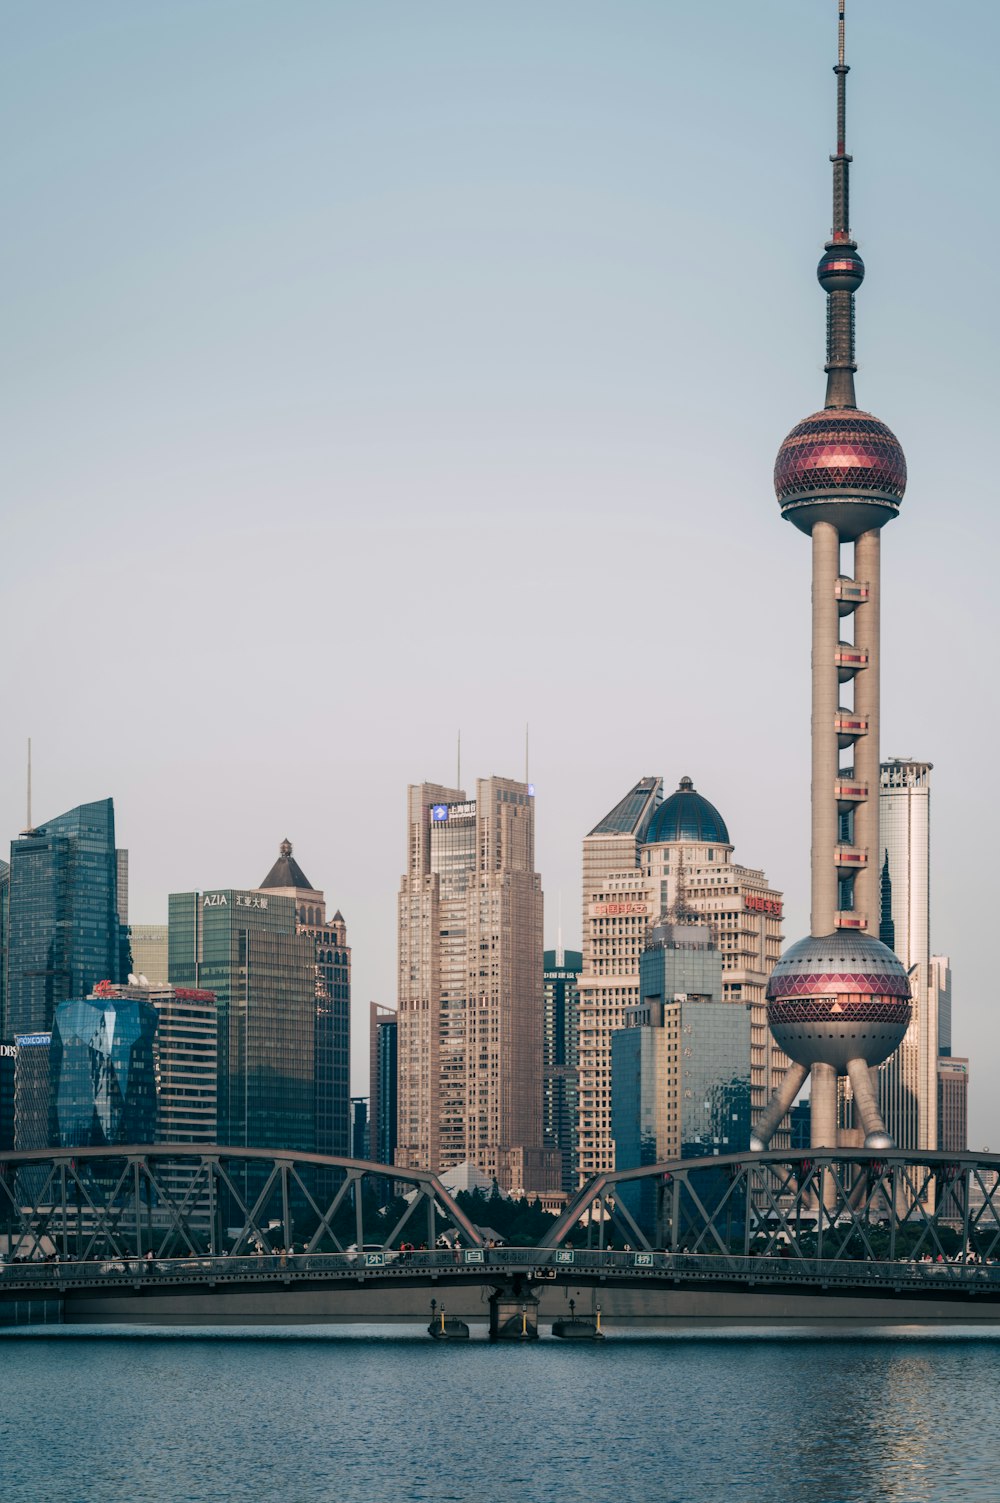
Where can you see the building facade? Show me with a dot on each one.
(150, 956)
(680, 1075)
(332, 1042)
(383, 1067)
(102, 1073)
(470, 1013)
(64, 934)
(560, 1063)
(953, 1104)
(648, 860)
(31, 1090)
(908, 1081)
(246, 947)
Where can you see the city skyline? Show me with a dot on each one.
(556, 432)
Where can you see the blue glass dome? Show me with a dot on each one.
(685, 815)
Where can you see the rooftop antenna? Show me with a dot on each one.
(526, 778)
(458, 766)
(29, 828)
(560, 952)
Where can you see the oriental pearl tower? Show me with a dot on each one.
(838, 1002)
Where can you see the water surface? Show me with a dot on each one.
(365, 1414)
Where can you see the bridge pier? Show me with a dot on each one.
(514, 1312)
(30, 1312)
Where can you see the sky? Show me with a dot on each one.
(372, 372)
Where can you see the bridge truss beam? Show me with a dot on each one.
(826, 1204)
(169, 1201)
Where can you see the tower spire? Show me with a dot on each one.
(841, 270)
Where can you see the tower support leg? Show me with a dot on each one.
(823, 1107)
(866, 1105)
(785, 1093)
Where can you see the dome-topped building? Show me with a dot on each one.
(648, 862)
(686, 815)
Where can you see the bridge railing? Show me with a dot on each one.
(483, 1265)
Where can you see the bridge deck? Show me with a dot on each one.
(500, 1266)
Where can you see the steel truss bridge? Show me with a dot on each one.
(167, 1219)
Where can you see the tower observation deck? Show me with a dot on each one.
(839, 1001)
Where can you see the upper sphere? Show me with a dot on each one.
(841, 466)
(685, 815)
(840, 269)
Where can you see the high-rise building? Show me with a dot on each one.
(246, 947)
(680, 1068)
(4, 901)
(149, 952)
(359, 1145)
(8, 1055)
(560, 1063)
(688, 856)
(332, 1043)
(383, 1064)
(618, 907)
(102, 1074)
(908, 1081)
(673, 860)
(470, 986)
(953, 1104)
(839, 1000)
(185, 1060)
(64, 933)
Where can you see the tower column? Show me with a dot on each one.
(825, 699)
(867, 562)
(823, 1106)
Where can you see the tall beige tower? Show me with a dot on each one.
(646, 860)
(470, 986)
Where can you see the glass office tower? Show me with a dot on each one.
(102, 1083)
(560, 1062)
(244, 947)
(383, 1064)
(63, 928)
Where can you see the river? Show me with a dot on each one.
(368, 1414)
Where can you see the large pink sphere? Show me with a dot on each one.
(838, 997)
(843, 466)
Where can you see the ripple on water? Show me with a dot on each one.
(362, 1414)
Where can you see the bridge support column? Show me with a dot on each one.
(514, 1313)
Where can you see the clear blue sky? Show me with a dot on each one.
(371, 370)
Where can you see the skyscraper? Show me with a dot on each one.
(618, 907)
(383, 1064)
(246, 947)
(680, 1068)
(908, 1081)
(560, 1064)
(64, 933)
(4, 902)
(102, 1075)
(333, 998)
(470, 986)
(673, 860)
(839, 1001)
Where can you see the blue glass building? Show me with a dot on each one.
(680, 1072)
(63, 929)
(102, 1081)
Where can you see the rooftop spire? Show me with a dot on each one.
(841, 269)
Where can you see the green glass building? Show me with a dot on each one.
(243, 946)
